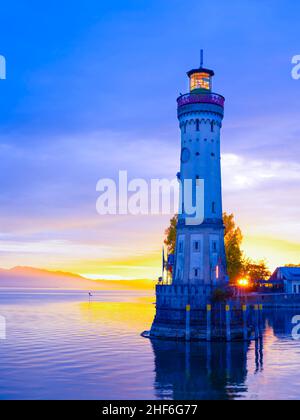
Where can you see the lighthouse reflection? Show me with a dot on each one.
(202, 370)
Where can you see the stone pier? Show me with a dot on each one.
(184, 313)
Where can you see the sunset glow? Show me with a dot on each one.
(102, 127)
(243, 282)
(149, 204)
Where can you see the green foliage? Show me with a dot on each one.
(170, 240)
(234, 254)
(256, 270)
(292, 265)
(221, 295)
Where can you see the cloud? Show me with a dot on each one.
(243, 173)
(48, 199)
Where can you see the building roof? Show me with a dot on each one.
(286, 273)
(200, 70)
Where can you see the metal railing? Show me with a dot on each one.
(205, 98)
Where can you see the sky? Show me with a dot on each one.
(91, 89)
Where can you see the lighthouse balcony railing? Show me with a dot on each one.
(190, 283)
(205, 98)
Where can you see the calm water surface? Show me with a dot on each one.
(61, 346)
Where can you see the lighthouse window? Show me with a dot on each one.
(196, 272)
(197, 154)
(213, 207)
(200, 81)
(197, 125)
(214, 246)
(180, 247)
(196, 246)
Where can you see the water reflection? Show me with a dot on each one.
(280, 321)
(259, 355)
(200, 370)
(61, 346)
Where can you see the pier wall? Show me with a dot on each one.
(274, 300)
(187, 313)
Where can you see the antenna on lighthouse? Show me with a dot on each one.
(201, 58)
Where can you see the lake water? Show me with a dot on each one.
(61, 346)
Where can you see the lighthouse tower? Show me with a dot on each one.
(200, 253)
(200, 261)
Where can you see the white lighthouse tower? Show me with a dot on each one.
(200, 261)
(200, 253)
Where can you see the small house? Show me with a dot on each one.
(289, 277)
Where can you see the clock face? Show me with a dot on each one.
(185, 155)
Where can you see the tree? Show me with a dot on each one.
(221, 295)
(170, 240)
(256, 271)
(234, 254)
(292, 265)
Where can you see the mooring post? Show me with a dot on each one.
(228, 359)
(228, 332)
(256, 320)
(208, 358)
(260, 309)
(188, 322)
(208, 323)
(245, 326)
(187, 359)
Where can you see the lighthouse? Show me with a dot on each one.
(200, 260)
(200, 253)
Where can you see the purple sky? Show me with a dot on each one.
(92, 90)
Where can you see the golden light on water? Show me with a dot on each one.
(135, 315)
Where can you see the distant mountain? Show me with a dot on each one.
(29, 277)
(30, 271)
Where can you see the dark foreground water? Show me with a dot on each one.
(61, 346)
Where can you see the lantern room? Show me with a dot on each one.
(200, 80)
